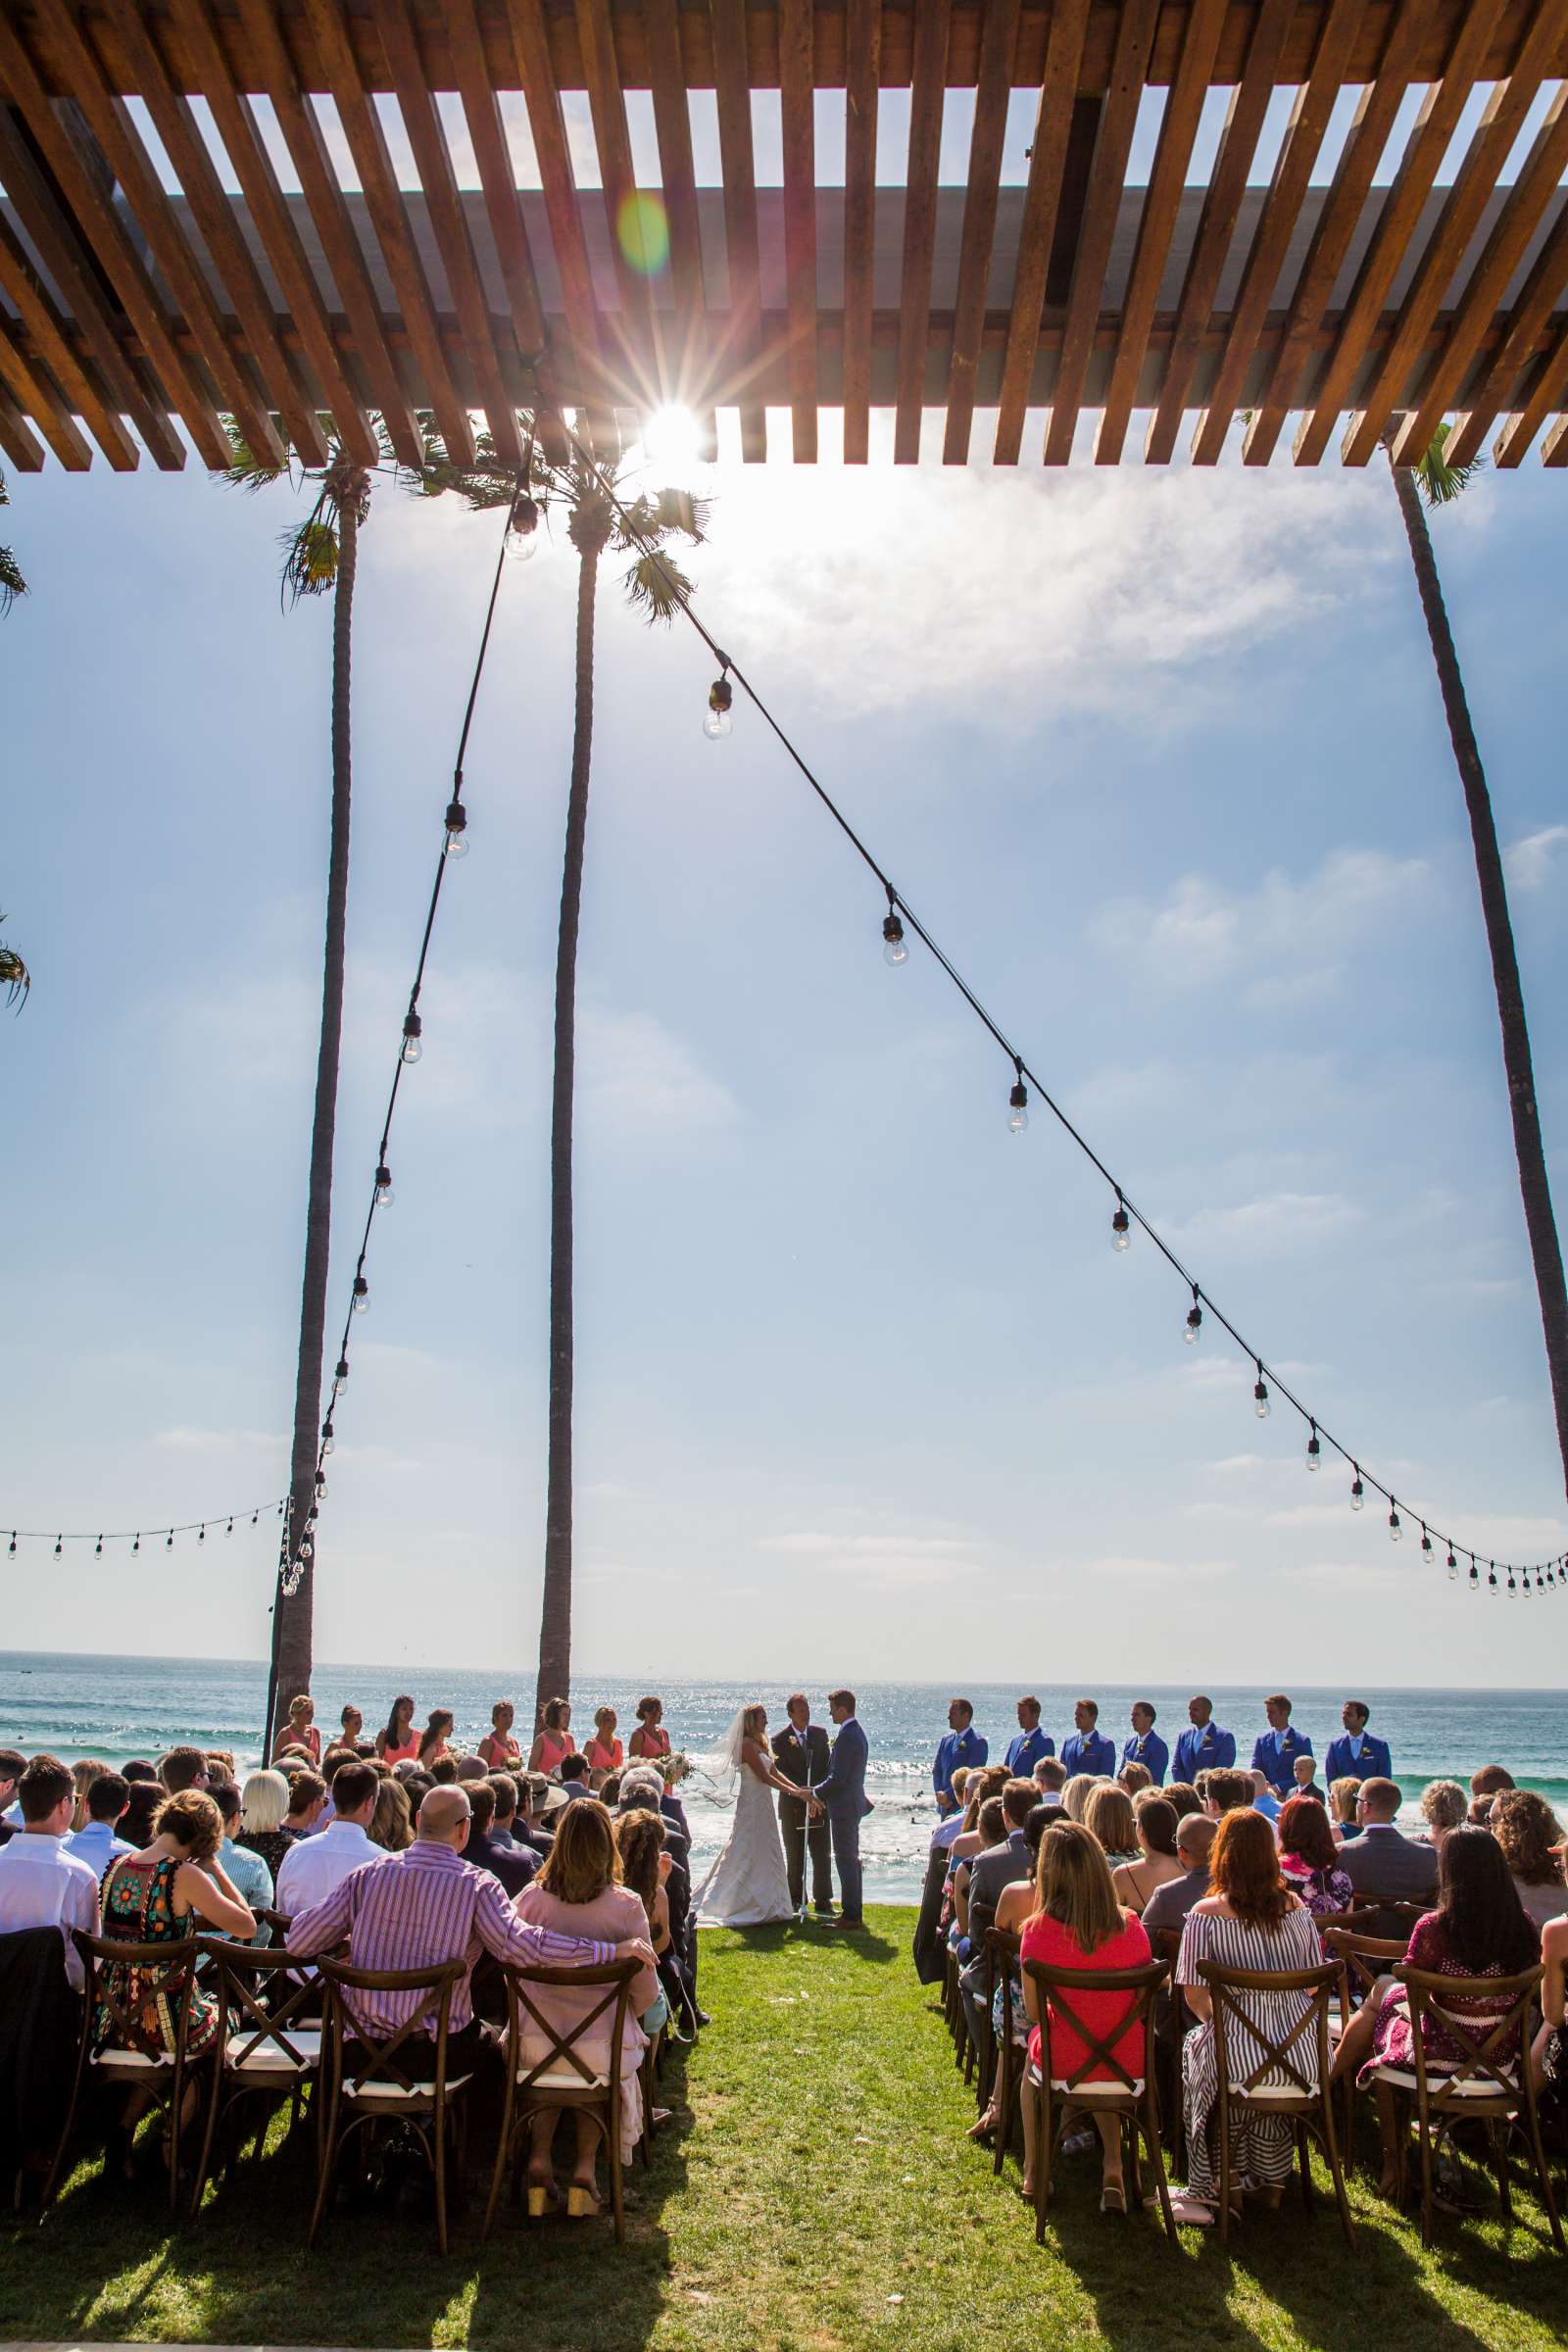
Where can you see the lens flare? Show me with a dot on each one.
(643, 228)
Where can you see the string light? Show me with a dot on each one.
(1426, 1546)
(12, 1545)
(98, 1548)
(413, 1031)
(362, 1296)
(57, 1547)
(895, 947)
(1475, 1575)
(1493, 1586)
(342, 1372)
(1357, 1490)
(384, 1194)
(1513, 1590)
(1314, 1450)
(1195, 1320)
(720, 701)
(1018, 1105)
(455, 844)
(1260, 1405)
(136, 1546)
(1396, 1524)
(168, 1542)
(328, 1439)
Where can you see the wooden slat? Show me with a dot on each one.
(1106, 174)
(18, 440)
(1037, 233)
(38, 397)
(302, 134)
(433, 162)
(863, 38)
(981, 198)
(1555, 447)
(1178, 127)
(214, 214)
(1412, 184)
(51, 339)
(1523, 329)
(1504, 249)
(548, 125)
(111, 249)
(672, 124)
(498, 180)
(919, 222)
(362, 127)
(1337, 225)
(1288, 187)
(607, 102)
(1216, 226)
(1546, 393)
(800, 220)
(732, 87)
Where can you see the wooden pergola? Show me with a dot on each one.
(285, 211)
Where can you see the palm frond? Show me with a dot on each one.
(309, 557)
(1439, 482)
(11, 583)
(657, 587)
(679, 511)
(14, 977)
(5, 495)
(246, 470)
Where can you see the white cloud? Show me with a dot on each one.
(635, 1073)
(1530, 863)
(1269, 1225)
(249, 1441)
(1284, 934)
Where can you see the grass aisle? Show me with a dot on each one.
(818, 2194)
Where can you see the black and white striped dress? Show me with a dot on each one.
(1262, 2147)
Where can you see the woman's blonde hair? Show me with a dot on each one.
(583, 1860)
(264, 1802)
(1075, 1796)
(299, 1708)
(604, 1715)
(1342, 1795)
(1073, 1882)
(193, 1820)
(1444, 1804)
(1109, 1816)
(392, 1824)
(751, 1722)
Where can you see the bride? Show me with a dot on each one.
(748, 1885)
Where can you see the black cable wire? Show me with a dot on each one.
(149, 1527)
(681, 597)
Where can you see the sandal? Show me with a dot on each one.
(1191, 2213)
(1114, 2198)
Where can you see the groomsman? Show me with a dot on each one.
(1025, 1752)
(1274, 1754)
(1145, 1747)
(1084, 1750)
(1204, 1747)
(801, 1752)
(1356, 1755)
(961, 1743)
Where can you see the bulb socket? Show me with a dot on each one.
(720, 695)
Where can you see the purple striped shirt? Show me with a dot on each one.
(417, 1910)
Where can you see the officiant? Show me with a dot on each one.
(801, 1752)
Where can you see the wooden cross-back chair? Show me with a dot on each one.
(1119, 2091)
(1165, 1945)
(269, 2041)
(377, 2085)
(1001, 1973)
(122, 2061)
(1361, 1960)
(564, 2076)
(1492, 2084)
(1290, 2078)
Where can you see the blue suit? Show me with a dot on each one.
(1274, 1754)
(1089, 1751)
(1207, 1751)
(1152, 1751)
(954, 1748)
(1025, 1752)
(843, 1792)
(1341, 1764)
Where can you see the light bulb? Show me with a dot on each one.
(1453, 1569)
(136, 1546)
(1260, 1405)
(362, 1296)
(1122, 1228)
(1314, 1452)
(98, 1547)
(716, 726)
(201, 1533)
(1018, 1107)
(1426, 1550)
(384, 1194)
(455, 844)
(894, 948)
(12, 1545)
(721, 696)
(1194, 1322)
(229, 1529)
(320, 1488)
(522, 529)
(57, 1547)
(329, 1438)
(340, 1376)
(1493, 1586)
(168, 1542)
(412, 1029)
(1396, 1527)
(1358, 1494)
(307, 1549)
(1513, 1592)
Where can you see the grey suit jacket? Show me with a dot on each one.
(1385, 1864)
(999, 1866)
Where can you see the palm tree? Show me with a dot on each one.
(11, 583)
(14, 977)
(1432, 482)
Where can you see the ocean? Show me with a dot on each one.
(117, 1707)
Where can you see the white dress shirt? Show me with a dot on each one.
(96, 1844)
(42, 1886)
(316, 1867)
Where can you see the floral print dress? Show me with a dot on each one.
(138, 1907)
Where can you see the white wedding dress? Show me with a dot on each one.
(748, 1885)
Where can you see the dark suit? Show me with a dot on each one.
(1389, 1866)
(802, 1764)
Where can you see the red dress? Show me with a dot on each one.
(1045, 1939)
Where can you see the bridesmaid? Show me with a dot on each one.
(497, 1749)
(553, 1744)
(301, 1734)
(604, 1750)
(398, 1743)
(649, 1742)
(433, 1739)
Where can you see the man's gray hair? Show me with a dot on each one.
(642, 1780)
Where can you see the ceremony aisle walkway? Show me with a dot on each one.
(814, 2194)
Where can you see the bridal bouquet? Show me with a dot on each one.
(676, 1768)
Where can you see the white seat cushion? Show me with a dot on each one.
(271, 2058)
(562, 2077)
(1472, 2087)
(129, 2058)
(1088, 2092)
(393, 2094)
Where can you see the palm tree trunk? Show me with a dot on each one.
(292, 1613)
(1539, 1222)
(555, 1627)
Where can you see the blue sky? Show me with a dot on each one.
(861, 1385)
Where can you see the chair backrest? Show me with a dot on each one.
(1364, 1958)
(278, 1921)
(1284, 2053)
(1395, 1919)
(1057, 1986)
(261, 1996)
(165, 1973)
(378, 2050)
(613, 1982)
(1490, 2049)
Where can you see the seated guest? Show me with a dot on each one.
(948, 1827)
(1527, 1830)
(512, 1865)
(83, 1777)
(552, 1745)
(469, 1768)
(182, 1767)
(1355, 1751)
(263, 1804)
(139, 1769)
(399, 1742)
(1031, 1743)
(135, 1825)
(1274, 1754)
(1080, 1925)
(574, 1775)
(314, 1866)
(1549, 2055)
(1250, 1921)
(434, 1739)
(645, 1867)
(95, 1843)
(1381, 1862)
(1109, 1816)
(1492, 1779)
(443, 1772)
(1154, 1827)
(504, 1787)
(928, 1944)
(299, 1735)
(41, 1885)
(13, 1764)
(1006, 1862)
(1342, 1809)
(578, 1891)
(163, 1895)
(1135, 1777)
(990, 1834)
(642, 1790)
(1014, 1906)
(1310, 1859)
(1444, 1807)
(244, 1870)
(307, 1796)
(1084, 1751)
(1307, 1782)
(1050, 1777)
(1145, 1747)
(602, 1753)
(649, 1742)
(1477, 1930)
(959, 1743)
(392, 1821)
(1226, 1793)
(1077, 1791)
(1203, 1747)
(498, 1750)
(1167, 1907)
(1184, 1797)
(539, 1807)
(1264, 1798)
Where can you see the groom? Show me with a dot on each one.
(841, 1796)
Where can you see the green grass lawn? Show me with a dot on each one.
(815, 2193)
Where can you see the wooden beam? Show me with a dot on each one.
(864, 37)
(1555, 447)
(733, 89)
(1107, 176)
(796, 66)
(1047, 157)
(981, 198)
(1168, 181)
(606, 103)
(1291, 178)
(1441, 109)
(672, 124)
(498, 178)
(1529, 319)
(1548, 389)
(38, 397)
(919, 222)
(50, 338)
(1337, 225)
(18, 440)
(1216, 226)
